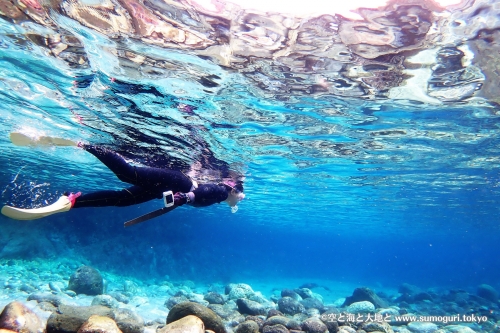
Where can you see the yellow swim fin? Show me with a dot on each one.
(61, 205)
(20, 139)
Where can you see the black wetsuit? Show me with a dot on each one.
(149, 183)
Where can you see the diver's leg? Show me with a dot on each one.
(147, 177)
(115, 162)
(126, 197)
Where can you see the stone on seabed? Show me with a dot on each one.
(188, 324)
(18, 317)
(99, 324)
(211, 320)
(86, 280)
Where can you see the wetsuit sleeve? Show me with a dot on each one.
(208, 194)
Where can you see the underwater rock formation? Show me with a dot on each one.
(211, 320)
(290, 306)
(246, 306)
(312, 303)
(174, 300)
(188, 324)
(68, 319)
(422, 327)
(361, 307)
(376, 327)
(365, 294)
(247, 326)
(240, 290)
(86, 280)
(291, 293)
(487, 292)
(214, 298)
(278, 328)
(314, 325)
(105, 300)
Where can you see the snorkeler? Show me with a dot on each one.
(149, 183)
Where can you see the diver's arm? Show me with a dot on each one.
(204, 195)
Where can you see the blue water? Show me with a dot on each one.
(349, 178)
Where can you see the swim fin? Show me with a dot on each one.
(20, 139)
(61, 205)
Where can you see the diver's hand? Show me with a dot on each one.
(183, 198)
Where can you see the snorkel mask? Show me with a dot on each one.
(234, 192)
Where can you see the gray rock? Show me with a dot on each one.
(221, 310)
(389, 312)
(313, 325)
(275, 320)
(68, 319)
(240, 290)
(248, 326)
(346, 329)
(458, 329)
(211, 320)
(86, 280)
(49, 307)
(365, 294)
(256, 319)
(105, 300)
(120, 297)
(312, 303)
(246, 306)
(330, 321)
(55, 300)
(197, 298)
(312, 313)
(487, 292)
(377, 327)
(128, 321)
(291, 293)
(304, 292)
(361, 307)
(275, 329)
(214, 298)
(56, 286)
(258, 297)
(174, 300)
(274, 312)
(290, 306)
(422, 327)
(294, 325)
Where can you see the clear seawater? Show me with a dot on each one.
(369, 147)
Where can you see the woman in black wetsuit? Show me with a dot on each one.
(148, 183)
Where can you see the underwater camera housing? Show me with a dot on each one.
(168, 198)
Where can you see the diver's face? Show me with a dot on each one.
(234, 197)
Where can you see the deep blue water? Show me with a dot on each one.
(371, 165)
